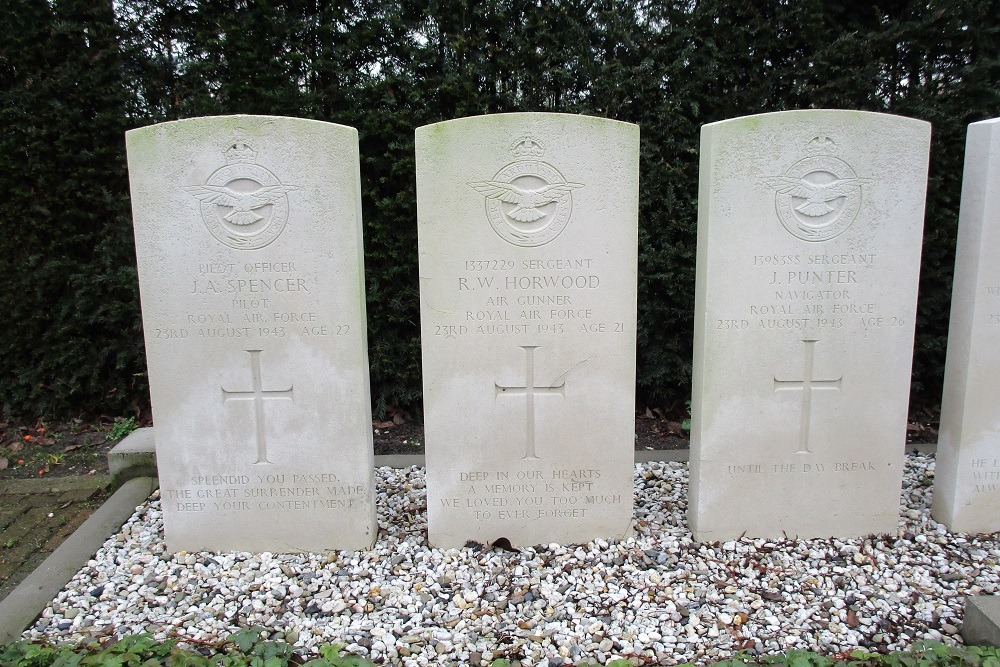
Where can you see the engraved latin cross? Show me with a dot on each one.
(806, 385)
(529, 391)
(258, 396)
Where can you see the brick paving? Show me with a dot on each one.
(36, 515)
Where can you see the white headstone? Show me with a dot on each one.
(967, 476)
(248, 236)
(528, 254)
(809, 237)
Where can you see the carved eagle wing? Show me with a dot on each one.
(213, 194)
(817, 195)
(526, 202)
(243, 203)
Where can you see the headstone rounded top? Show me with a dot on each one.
(814, 115)
(234, 120)
(523, 117)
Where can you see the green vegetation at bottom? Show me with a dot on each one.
(247, 649)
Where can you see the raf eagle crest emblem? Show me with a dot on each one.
(528, 202)
(243, 204)
(818, 198)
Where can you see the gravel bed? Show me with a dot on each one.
(656, 597)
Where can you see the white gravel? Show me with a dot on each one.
(654, 597)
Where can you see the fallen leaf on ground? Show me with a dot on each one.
(4, 463)
(852, 619)
(383, 424)
(71, 448)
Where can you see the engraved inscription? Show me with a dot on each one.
(238, 492)
(810, 293)
(533, 494)
(806, 385)
(993, 318)
(544, 297)
(529, 390)
(528, 202)
(986, 474)
(258, 395)
(800, 468)
(249, 301)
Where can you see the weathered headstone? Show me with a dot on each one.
(248, 236)
(809, 237)
(528, 254)
(967, 475)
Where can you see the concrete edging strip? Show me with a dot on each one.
(136, 455)
(24, 604)
(981, 625)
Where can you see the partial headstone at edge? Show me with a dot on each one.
(967, 472)
(809, 239)
(249, 246)
(528, 264)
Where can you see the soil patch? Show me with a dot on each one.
(58, 449)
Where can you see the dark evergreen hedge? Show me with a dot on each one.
(75, 74)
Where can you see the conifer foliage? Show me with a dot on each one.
(69, 295)
(75, 74)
